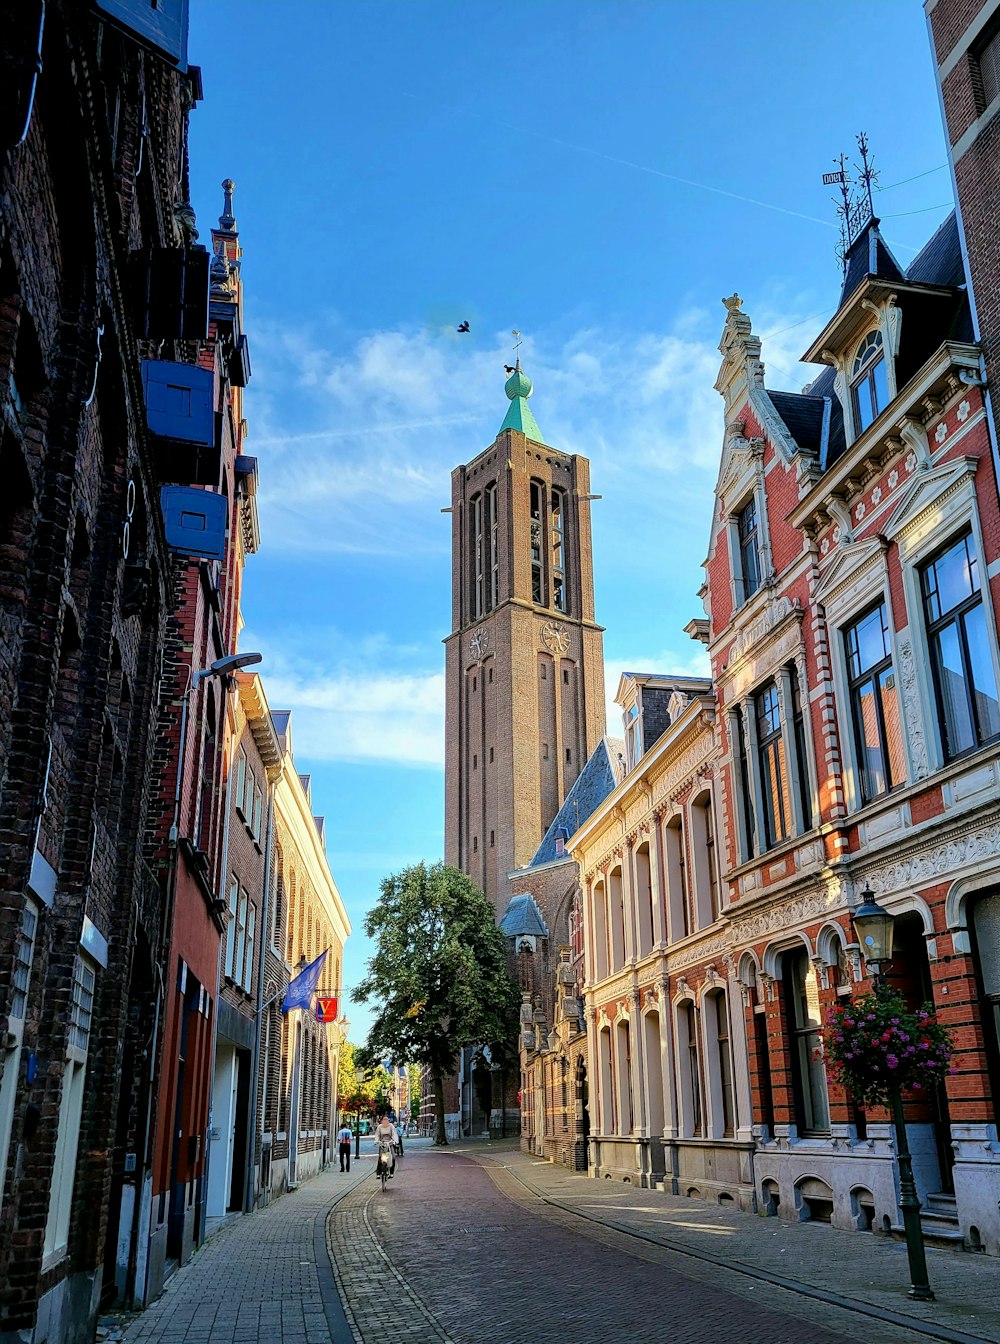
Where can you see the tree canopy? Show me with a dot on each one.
(359, 1087)
(438, 976)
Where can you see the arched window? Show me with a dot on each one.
(804, 1019)
(723, 1100)
(678, 906)
(869, 384)
(616, 919)
(644, 901)
(689, 1063)
(706, 877)
(476, 542)
(537, 508)
(492, 533)
(558, 522)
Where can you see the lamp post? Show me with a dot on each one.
(873, 925)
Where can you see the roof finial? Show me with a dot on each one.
(227, 220)
(517, 348)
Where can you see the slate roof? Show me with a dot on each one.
(868, 255)
(815, 428)
(523, 916)
(939, 261)
(602, 773)
(281, 718)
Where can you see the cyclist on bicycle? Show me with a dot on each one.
(387, 1141)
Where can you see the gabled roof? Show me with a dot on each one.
(602, 773)
(523, 916)
(939, 261)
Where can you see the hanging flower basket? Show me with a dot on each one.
(876, 1046)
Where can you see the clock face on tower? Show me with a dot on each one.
(555, 639)
(479, 645)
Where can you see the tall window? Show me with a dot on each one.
(10, 1051)
(633, 735)
(70, 1109)
(538, 595)
(869, 385)
(691, 1065)
(773, 766)
(718, 1007)
(493, 551)
(986, 927)
(478, 557)
(878, 729)
(962, 666)
(558, 522)
(804, 1023)
(746, 799)
(749, 539)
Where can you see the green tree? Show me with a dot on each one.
(361, 1085)
(439, 973)
(414, 1072)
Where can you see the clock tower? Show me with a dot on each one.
(525, 659)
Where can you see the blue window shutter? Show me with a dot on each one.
(195, 521)
(180, 401)
(160, 24)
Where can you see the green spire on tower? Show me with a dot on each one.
(518, 388)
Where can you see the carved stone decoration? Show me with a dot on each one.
(676, 705)
(929, 863)
(911, 708)
(770, 618)
(555, 639)
(479, 644)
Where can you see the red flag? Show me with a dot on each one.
(326, 1009)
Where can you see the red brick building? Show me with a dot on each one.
(849, 739)
(93, 219)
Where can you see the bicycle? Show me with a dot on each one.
(382, 1165)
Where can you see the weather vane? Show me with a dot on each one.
(856, 207)
(517, 343)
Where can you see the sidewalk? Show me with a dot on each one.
(857, 1271)
(264, 1276)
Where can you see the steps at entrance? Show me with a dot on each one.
(939, 1222)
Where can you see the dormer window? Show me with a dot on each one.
(869, 383)
(633, 735)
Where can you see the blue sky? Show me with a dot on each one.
(597, 175)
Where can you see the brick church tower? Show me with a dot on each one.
(525, 669)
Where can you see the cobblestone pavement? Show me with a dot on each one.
(264, 1277)
(472, 1246)
(480, 1244)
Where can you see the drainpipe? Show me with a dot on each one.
(265, 915)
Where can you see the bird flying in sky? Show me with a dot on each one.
(463, 326)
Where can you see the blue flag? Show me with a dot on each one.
(300, 991)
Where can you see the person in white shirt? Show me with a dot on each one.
(344, 1146)
(387, 1136)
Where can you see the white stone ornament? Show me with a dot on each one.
(876, 494)
(826, 545)
(963, 410)
(941, 433)
(911, 461)
(893, 479)
(859, 512)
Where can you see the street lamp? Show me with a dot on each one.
(873, 925)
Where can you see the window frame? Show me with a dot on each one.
(853, 682)
(863, 374)
(773, 742)
(955, 617)
(751, 538)
(804, 1039)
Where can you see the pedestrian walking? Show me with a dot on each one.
(344, 1147)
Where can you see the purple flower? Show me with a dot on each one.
(892, 1061)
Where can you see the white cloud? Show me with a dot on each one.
(345, 431)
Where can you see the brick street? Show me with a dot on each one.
(479, 1244)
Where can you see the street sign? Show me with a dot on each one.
(833, 179)
(326, 1009)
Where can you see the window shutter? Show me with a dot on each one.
(170, 288)
(162, 25)
(180, 401)
(195, 521)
